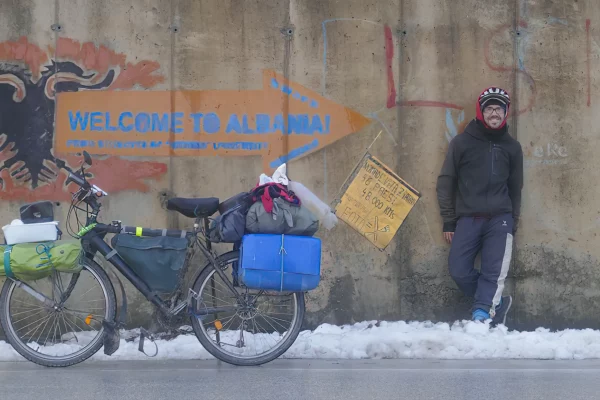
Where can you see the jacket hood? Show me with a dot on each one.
(479, 130)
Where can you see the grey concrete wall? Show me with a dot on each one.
(441, 54)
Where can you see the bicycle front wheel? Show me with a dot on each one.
(259, 326)
(70, 330)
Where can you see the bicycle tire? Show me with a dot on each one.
(207, 343)
(15, 342)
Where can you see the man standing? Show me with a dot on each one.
(479, 195)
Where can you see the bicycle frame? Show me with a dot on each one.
(94, 239)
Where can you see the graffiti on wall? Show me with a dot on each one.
(30, 81)
(280, 122)
(549, 153)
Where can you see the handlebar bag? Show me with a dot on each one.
(33, 261)
(156, 260)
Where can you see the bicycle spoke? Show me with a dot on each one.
(29, 304)
(50, 330)
(223, 321)
(80, 297)
(42, 332)
(216, 298)
(60, 334)
(268, 336)
(41, 319)
(23, 319)
(230, 322)
(264, 317)
(26, 311)
(70, 326)
(273, 318)
(86, 313)
(31, 332)
(259, 336)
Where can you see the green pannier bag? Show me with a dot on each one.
(33, 261)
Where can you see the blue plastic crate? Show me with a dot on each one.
(283, 263)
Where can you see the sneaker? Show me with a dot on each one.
(480, 315)
(502, 310)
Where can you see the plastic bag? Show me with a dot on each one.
(309, 200)
(264, 179)
(279, 176)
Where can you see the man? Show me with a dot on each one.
(479, 195)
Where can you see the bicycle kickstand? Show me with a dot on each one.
(143, 334)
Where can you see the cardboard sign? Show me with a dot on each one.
(376, 201)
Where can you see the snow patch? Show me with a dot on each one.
(377, 340)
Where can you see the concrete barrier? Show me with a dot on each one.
(344, 71)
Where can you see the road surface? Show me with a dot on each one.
(304, 379)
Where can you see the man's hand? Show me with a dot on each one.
(448, 236)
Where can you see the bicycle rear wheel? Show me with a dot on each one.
(69, 331)
(259, 328)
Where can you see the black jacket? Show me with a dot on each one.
(482, 175)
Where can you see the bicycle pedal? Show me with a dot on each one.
(191, 313)
(112, 339)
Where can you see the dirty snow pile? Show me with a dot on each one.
(424, 340)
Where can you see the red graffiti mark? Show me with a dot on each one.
(23, 51)
(502, 68)
(102, 59)
(116, 174)
(389, 56)
(429, 103)
(112, 175)
(588, 62)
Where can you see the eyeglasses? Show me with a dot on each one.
(489, 110)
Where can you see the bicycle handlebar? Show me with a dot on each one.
(76, 178)
(79, 179)
(107, 228)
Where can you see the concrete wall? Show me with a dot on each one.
(413, 68)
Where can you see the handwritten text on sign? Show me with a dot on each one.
(376, 202)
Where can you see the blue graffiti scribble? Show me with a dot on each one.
(295, 153)
(555, 20)
(291, 92)
(451, 127)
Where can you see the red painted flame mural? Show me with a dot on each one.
(29, 80)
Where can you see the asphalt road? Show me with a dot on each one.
(305, 379)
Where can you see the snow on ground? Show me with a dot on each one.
(424, 340)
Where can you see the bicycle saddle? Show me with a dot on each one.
(194, 208)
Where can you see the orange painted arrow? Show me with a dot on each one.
(281, 122)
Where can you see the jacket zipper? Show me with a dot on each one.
(494, 156)
(487, 192)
